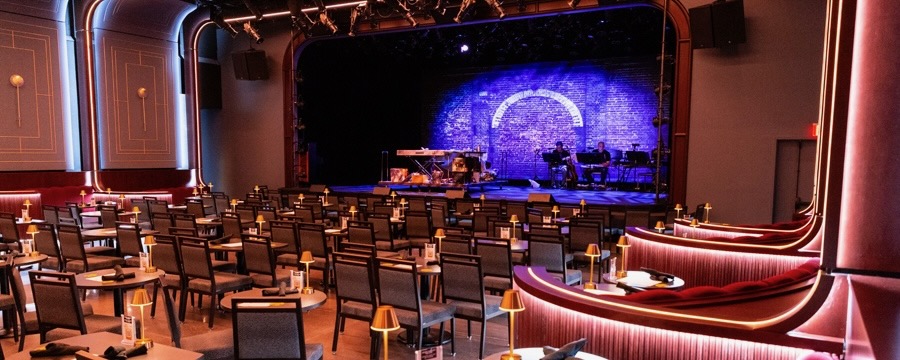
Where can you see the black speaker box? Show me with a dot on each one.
(718, 24)
(455, 194)
(250, 65)
(316, 188)
(541, 197)
(381, 190)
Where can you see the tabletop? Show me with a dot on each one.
(641, 279)
(111, 232)
(535, 353)
(21, 221)
(308, 301)
(93, 280)
(515, 246)
(26, 260)
(98, 342)
(239, 246)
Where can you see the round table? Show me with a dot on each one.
(641, 279)
(25, 260)
(307, 301)
(92, 280)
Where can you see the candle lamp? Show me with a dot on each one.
(25, 214)
(306, 258)
(256, 189)
(142, 300)
(150, 242)
(513, 219)
(29, 250)
(108, 192)
(260, 220)
(393, 198)
(623, 245)
(82, 193)
(582, 203)
(384, 321)
(439, 235)
(121, 201)
(301, 198)
(352, 212)
(137, 211)
(326, 192)
(592, 252)
(660, 226)
(511, 303)
(707, 207)
(195, 192)
(694, 225)
(555, 212)
(233, 204)
(678, 209)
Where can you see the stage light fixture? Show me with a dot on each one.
(573, 3)
(299, 19)
(253, 32)
(216, 17)
(354, 17)
(253, 9)
(464, 48)
(462, 10)
(323, 17)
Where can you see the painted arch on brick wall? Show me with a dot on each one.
(577, 119)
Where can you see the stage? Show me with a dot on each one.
(520, 193)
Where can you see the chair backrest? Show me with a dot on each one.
(143, 207)
(221, 201)
(195, 207)
(383, 209)
(547, 251)
(17, 290)
(209, 204)
(56, 301)
(167, 254)
(128, 236)
(417, 203)
(582, 234)
(381, 223)
(8, 229)
(258, 255)
(398, 284)
(496, 227)
(544, 207)
(456, 244)
(285, 232)
(161, 221)
(71, 246)
(184, 220)
(361, 249)
(312, 239)
(74, 213)
(462, 278)
(360, 232)
(638, 218)
(304, 213)
(108, 215)
(45, 241)
(496, 255)
(418, 224)
(480, 218)
(271, 332)
(196, 263)
(438, 216)
(540, 229)
(231, 224)
(354, 278)
(371, 200)
(51, 214)
(517, 208)
(157, 206)
(247, 212)
(465, 206)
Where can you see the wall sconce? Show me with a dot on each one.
(17, 81)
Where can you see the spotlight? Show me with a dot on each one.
(298, 18)
(324, 19)
(216, 17)
(354, 17)
(462, 10)
(497, 7)
(464, 48)
(573, 3)
(253, 32)
(253, 9)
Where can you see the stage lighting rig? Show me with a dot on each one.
(299, 19)
(323, 17)
(253, 32)
(216, 16)
(253, 9)
(467, 3)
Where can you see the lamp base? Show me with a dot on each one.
(139, 342)
(590, 286)
(308, 290)
(512, 356)
(621, 274)
(150, 269)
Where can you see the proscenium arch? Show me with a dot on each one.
(577, 119)
(681, 79)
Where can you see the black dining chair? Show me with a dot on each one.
(462, 284)
(260, 261)
(271, 332)
(201, 278)
(354, 287)
(58, 307)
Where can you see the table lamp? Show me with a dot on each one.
(592, 252)
(82, 193)
(660, 226)
(150, 242)
(195, 192)
(210, 187)
(233, 204)
(142, 300)
(623, 244)
(256, 189)
(513, 219)
(678, 209)
(582, 203)
(439, 235)
(137, 211)
(393, 196)
(260, 220)
(384, 321)
(121, 201)
(707, 207)
(202, 187)
(108, 191)
(300, 198)
(306, 258)
(694, 226)
(511, 304)
(352, 212)
(25, 213)
(402, 206)
(482, 199)
(555, 211)
(325, 200)
(32, 230)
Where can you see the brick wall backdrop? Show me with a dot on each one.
(615, 99)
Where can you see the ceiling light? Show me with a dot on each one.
(253, 32)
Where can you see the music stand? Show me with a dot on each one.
(590, 158)
(551, 157)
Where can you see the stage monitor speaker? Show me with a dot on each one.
(455, 194)
(541, 197)
(718, 24)
(250, 65)
(381, 190)
(316, 188)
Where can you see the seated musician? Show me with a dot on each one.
(561, 155)
(602, 168)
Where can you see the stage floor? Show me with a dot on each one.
(520, 193)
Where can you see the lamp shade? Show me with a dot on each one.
(582, 202)
(82, 193)
(513, 218)
(32, 229)
(385, 319)
(555, 208)
(307, 258)
(511, 302)
(592, 250)
(695, 223)
(439, 233)
(233, 202)
(149, 240)
(623, 241)
(707, 206)
(660, 225)
(402, 201)
(393, 193)
(136, 210)
(141, 298)
(122, 196)
(260, 219)
(481, 197)
(678, 207)
(352, 208)
(27, 202)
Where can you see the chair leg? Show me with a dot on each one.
(153, 306)
(452, 337)
(212, 309)
(182, 305)
(483, 335)
(337, 326)
(469, 329)
(343, 321)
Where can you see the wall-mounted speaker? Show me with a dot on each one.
(541, 197)
(250, 65)
(718, 24)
